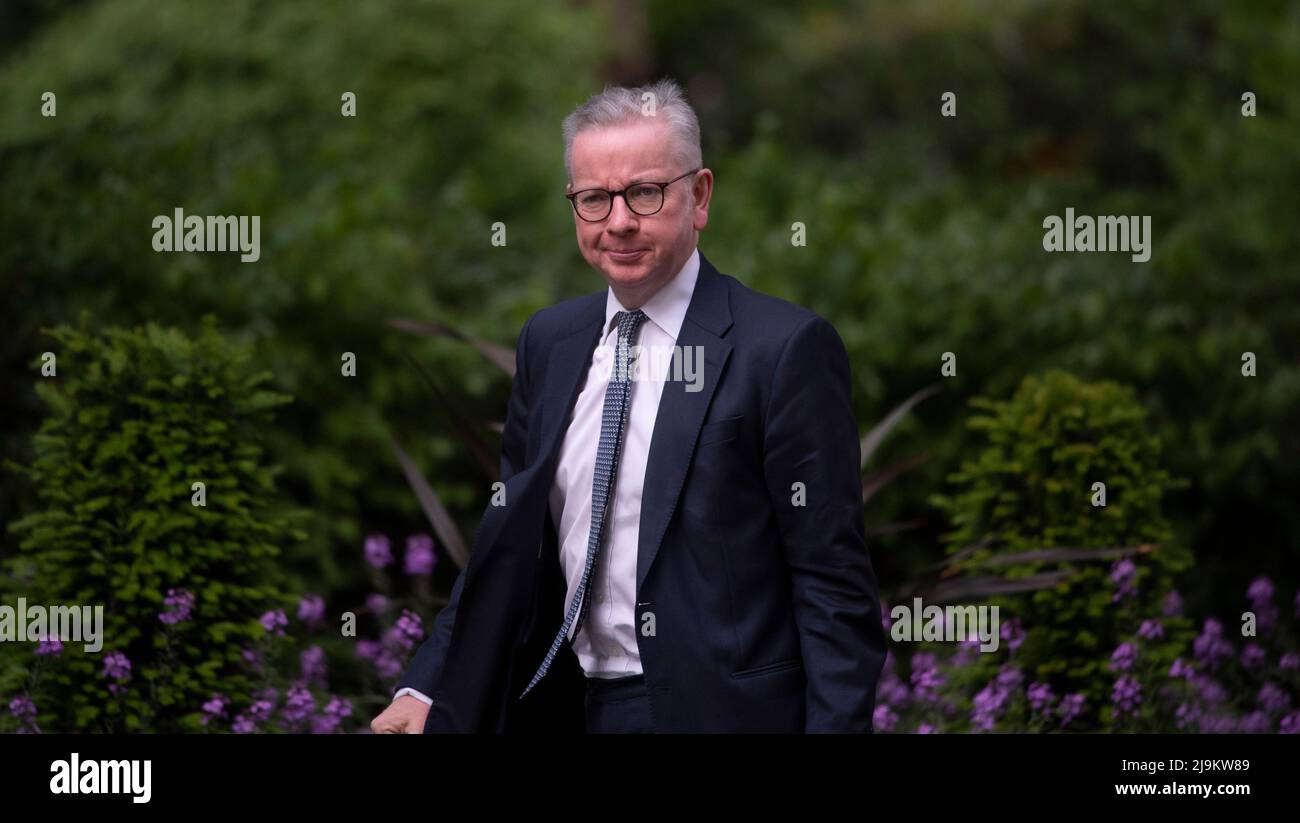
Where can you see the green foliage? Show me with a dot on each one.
(1030, 487)
(925, 233)
(136, 417)
(234, 107)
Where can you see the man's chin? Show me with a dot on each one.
(628, 274)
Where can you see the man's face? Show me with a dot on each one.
(638, 254)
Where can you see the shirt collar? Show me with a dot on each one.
(667, 308)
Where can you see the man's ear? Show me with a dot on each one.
(702, 192)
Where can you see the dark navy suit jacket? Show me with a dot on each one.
(753, 613)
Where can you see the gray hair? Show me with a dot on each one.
(619, 104)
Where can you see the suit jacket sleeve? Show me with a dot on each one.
(811, 438)
(424, 669)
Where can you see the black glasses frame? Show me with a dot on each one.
(663, 197)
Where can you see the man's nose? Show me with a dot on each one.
(621, 218)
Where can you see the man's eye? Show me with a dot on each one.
(591, 198)
(646, 193)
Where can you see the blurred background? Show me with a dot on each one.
(333, 495)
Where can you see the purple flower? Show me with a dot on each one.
(299, 706)
(1010, 678)
(1011, 634)
(1253, 656)
(1289, 661)
(1071, 707)
(22, 707)
(1290, 724)
(49, 647)
(1151, 630)
(312, 661)
(886, 620)
(926, 728)
(24, 711)
(257, 714)
(1210, 690)
(419, 555)
(1218, 724)
(328, 721)
(266, 697)
(407, 632)
(377, 603)
(339, 707)
(311, 609)
(180, 604)
(1273, 699)
(117, 666)
(1040, 698)
(924, 660)
(1126, 695)
(926, 684)
(388, 665)
(1121, 660)
(1173, 605)
(368, 649)
(1181, 670)
(884, 719)
(1260, 591)
(1210, 647)
(1187, 716)
(1260, 594)
(968, 651)
(215, 708)
(378, 553)
(892, 692)
(274, 622)
(1255, 723)
(252, 658)
(989, 703)
(1124, 575)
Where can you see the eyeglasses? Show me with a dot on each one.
(643, 198)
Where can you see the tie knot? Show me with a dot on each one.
(629, 322)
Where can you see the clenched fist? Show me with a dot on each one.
(406, 715)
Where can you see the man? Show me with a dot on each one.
(674, 554)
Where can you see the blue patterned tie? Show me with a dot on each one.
(617, 397)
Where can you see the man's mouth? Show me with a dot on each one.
(626, 256)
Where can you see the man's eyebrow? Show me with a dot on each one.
(651, 176)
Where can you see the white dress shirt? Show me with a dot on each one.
(606, 643)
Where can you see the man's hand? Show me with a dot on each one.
(406, 715)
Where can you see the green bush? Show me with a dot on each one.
(1030, 488)
(135, 418)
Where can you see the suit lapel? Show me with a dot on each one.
(566, 373)
(681, 414)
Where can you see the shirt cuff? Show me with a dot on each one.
(425, 699)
